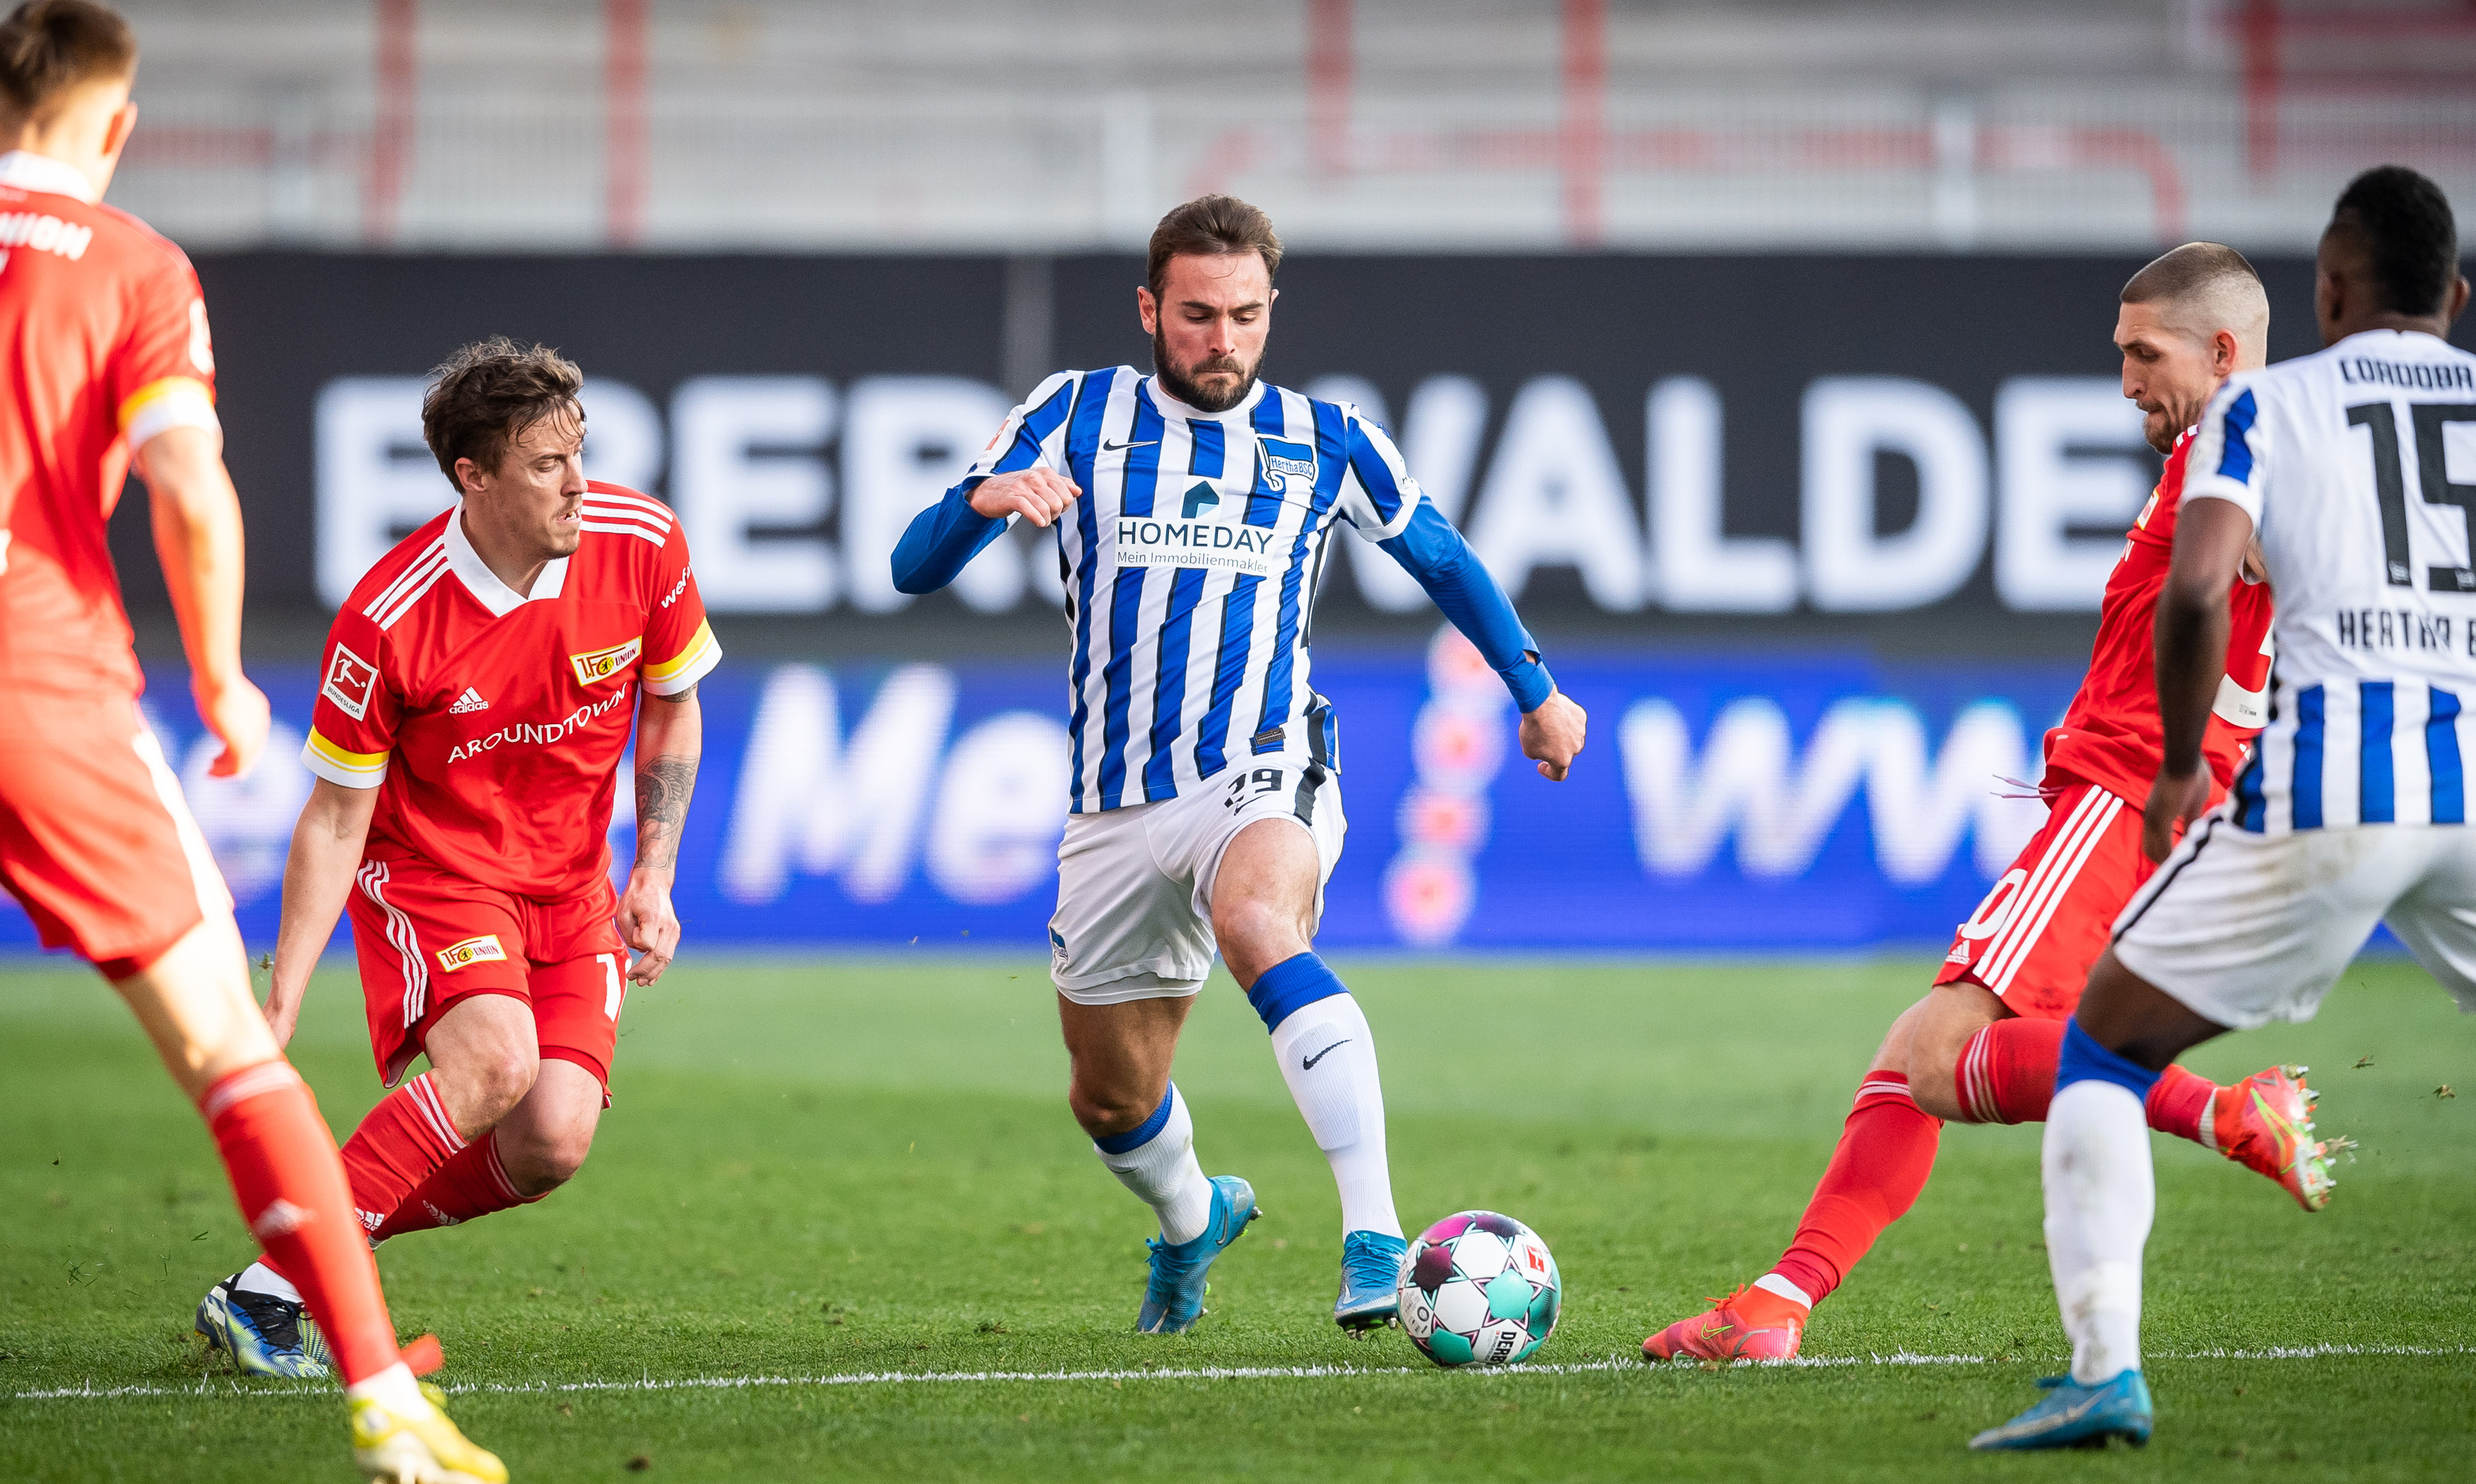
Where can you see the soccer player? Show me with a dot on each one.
(1981, 1045)
(478, 693)
(1192, 510)
(104, 333)
(2350, 810)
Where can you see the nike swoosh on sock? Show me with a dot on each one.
(1308, 1065)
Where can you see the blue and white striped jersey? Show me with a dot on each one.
(2358, 466)
(1191, 564)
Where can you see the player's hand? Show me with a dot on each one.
(1037, 495)
(2173, 804)
(234, 710)
(282, 1017)
(648, 925)
(1553, 734)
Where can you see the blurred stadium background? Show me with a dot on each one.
(1761, 347)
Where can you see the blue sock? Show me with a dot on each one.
(1142, 1133)
(2084, 1060)
(1294, 982)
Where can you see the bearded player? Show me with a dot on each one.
(478, 693)
(110, 365)
(1193, 508)
(1982, 1045)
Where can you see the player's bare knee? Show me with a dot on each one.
(482, 1087)
(1254, 934)
(1106, 1111)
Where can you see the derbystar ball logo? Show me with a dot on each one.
(485, 949)
(601, 664)
(350, 679)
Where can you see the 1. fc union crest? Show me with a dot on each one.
(485, 949)
(601, 664)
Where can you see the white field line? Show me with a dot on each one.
(1615, 1363)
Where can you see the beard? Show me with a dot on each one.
(1182, 383)
(2159, 429)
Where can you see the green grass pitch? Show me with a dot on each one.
(848, 1167)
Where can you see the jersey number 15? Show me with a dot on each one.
(2432, 470)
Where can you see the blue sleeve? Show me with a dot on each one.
(1430, 550)
(941, 539)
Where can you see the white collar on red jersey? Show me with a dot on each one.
(484, 583)
(29, 171)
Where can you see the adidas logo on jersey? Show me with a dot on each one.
(470, 701)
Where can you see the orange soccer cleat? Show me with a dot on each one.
(1750, 1324)
(2265, 1122)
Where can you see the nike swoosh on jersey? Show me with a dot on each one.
(1108, 447)
(1308, 1065)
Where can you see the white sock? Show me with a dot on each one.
(2101, 1195)
(1328, 1056)
(260, 1278)
(394, 1388)
(1163, 1174)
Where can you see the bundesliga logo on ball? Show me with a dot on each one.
(1481, 1289)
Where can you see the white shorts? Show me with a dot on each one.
(1134, 884)
(2246, 928)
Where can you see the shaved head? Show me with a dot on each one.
(2203, 288)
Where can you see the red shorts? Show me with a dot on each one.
(2033, 937)
(94, 837)
(427, 938)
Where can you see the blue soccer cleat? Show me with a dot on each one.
(2076, 1415)
(1371, 1281)
(1174, 1298)
(263, 1334)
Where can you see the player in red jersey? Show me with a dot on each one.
(1982, 1045)
(105, 361)
(480, 689)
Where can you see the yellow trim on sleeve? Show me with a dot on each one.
(156, 391)
(342, 762)
(698, 643)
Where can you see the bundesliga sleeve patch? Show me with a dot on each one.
(485, 949)
(599, 665)
(350, 679)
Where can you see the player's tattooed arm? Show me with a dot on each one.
(665, 778)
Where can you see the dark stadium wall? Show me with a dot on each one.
(1778, 448)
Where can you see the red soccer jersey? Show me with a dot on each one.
(492, 725)
(2112, 735)
(103, 345)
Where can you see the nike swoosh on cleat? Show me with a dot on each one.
(1308, 1065)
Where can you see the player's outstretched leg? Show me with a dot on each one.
(1328, 1056)
(1265, 898)
(2006, 1075)
(195, 1002)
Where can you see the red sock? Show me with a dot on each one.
(1886, 1152)
(2179, 1103)
(401, 1142)
(474, 1183)
(281, 1159)
(2006, 1073)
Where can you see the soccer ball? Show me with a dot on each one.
(1481, 1289)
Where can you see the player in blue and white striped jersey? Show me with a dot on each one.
(1194, 510)
(2357, 466)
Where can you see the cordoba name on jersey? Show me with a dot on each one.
(1191, 561)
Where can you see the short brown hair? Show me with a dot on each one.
(1215, 227)
(482, 398)
(50, 46)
